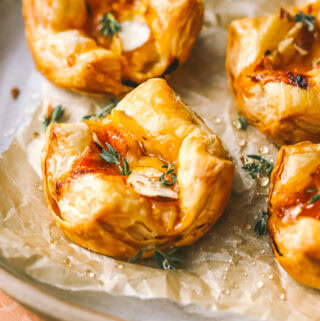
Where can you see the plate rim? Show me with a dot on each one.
(41, 301)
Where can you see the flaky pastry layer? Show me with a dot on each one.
(294, 222)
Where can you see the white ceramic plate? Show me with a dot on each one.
(17, 70)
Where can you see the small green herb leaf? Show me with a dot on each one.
(262, 166)
(107, 109)
(112, 151)
(174, 178)
(160, 258)
(56, 115)
(45, 123)
(103, 112)
(112, 157)
(170, 171)
(315, 197)
(172, 251)
(165, 261)
(253, 169)
(110, 25)
(138, 256)
(125, 170)
(308, 20)
(87, 117)
(243, 123)
(106, 156)
(261, 227)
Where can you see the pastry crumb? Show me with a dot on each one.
(15, 92)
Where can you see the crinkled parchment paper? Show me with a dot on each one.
(228, 269)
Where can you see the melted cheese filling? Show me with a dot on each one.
(133, 35)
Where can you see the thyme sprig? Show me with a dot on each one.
(110, 25)
(112, 157)
(103, 112)
(56, 115)
(261, 227)
(165, 261)
(315, 197)
(170, 171)
(308, 20)
(262, 166)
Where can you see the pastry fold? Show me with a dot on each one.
(69, 48)
(117, 215)
(294, 208)
(273, 67)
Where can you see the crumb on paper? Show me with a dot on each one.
(15, 92)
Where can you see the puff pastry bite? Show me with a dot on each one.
(176, 177)
(294, 208)
(273, 67)
(99, 46)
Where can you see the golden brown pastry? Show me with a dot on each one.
(273, 66)
(78, 44)
(294, 207)
(118, 209)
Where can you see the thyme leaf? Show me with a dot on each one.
(170, 171)
(56, 115)
(315, 197)
(261, 227)
(308, 20)
(243, 123)
(138, 256)
(103, 112)
(166, 261)
(110, 25)
(112, 157)
(262, 166)
(125, 170)
(87, 117)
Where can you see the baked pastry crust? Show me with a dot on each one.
(294, 222)
(105, 212)
(66, 41)
(273, 67)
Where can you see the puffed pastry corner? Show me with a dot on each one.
(110, 46)
(273, 66)
(294, 209)
(149, 175)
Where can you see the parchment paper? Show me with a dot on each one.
(228, 269)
